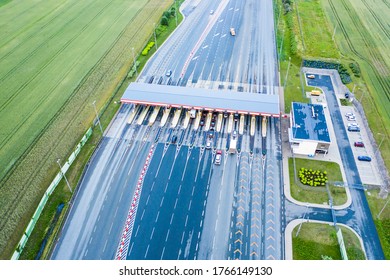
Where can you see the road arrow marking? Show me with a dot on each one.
(238, 240)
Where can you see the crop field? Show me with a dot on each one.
(363, 33)
(56, 58)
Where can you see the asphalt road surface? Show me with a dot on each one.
(190, 207)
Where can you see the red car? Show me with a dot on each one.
(359, 144)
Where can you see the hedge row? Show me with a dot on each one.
(343, 71)
(147, 48)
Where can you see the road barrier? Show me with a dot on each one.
(47, 194)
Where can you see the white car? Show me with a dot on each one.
(218, 158)
(351, 118)
(349, 115)
(211, 12)
(353, 124)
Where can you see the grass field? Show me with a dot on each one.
(316, 240)
(56, 58)
(317, 194)
(363, 34)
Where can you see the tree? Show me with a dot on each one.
(164, 21)
(173, 11)
(167, 14)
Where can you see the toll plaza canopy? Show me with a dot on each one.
(202, 99)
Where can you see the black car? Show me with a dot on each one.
(174, 139)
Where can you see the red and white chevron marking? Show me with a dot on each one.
(123, 247)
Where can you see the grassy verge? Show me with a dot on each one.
(383, 222)
(317, 240)
(61, 194)
(317, 194)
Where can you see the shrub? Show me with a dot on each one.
(164, 21)
(312, 177)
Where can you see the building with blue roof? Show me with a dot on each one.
(308, 132)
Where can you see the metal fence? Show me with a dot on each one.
(47, 194)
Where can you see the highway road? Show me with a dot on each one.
(190, 207)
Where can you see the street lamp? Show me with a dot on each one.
(154, 32)
(384, 206)
(383, 138)
(135, 64)
(63, 174)
(97, 116)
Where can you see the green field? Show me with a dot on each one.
(316, 240)
(56, 58)
(363, 34)
(317, 195)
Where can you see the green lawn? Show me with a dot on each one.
(383, 222)
(56, 58)
(316, 195)
(316, 240)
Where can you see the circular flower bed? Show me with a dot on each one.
(313, 178)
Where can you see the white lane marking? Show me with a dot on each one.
(105, 245)
(111, 228)
(175, 204)
(90, 240)
(203, 213)
(189, 206)
(136, 232)
(197, 245)
(182, 238)
(237, 10)
(196, 57)
(116, 211)
(179, 190)
(147, 200)
(158, 214)
(162, 254)
(131, 248)
(86, 252)
(230, 9)
(98, 218)
(221, 20)
(142, 216)
(147, 250)
(201, 223)
(171, 219)
(224, 35)
(162, 200)
(193, 190)
(151, 235)
(205, 47)
(166, 186)
(198, 234)
(94, 228)
(185, 225)
(166, 237)
(215, 35)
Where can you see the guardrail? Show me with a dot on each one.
(47, 194)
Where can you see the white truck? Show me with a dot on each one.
(193, 113)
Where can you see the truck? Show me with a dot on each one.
(232, 31)
(233, 145)
(193, 113)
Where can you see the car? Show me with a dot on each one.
(346, 95)
(208, 144)
(311, 76)
(219, 152)
(353, 128)
(364, 158)
(225, 115)
(201, 123)
(211, 133)
(349, 114)
(358, 144)
(174, 139)
(212, 123)
(169, 73)
(351, 118)
(234, 133)
(353, 124)
(211, 12)
(236, 116)
(217, 160)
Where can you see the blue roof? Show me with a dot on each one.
(309, 122)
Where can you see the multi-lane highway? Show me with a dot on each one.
(190, 207)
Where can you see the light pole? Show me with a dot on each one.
(154, 32)
(176, 11)
(304, 215)
(135, 64)
(383, 138)
(288, 68)
(97, 116)
(384, 206)
(63, 174)
(293, 154)
(361, 98)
